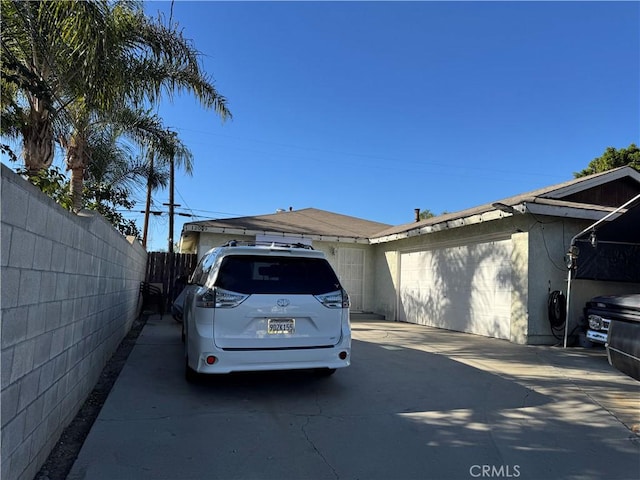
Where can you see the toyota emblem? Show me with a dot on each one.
(283, 302)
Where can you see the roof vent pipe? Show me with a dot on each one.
(417, 211)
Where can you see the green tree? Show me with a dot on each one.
(97, 134)
(106, 198)
(426, 214)
(613, 158)
(71, 68)
(45, 53)
(114, 167)
(142, 59)
(53, 183)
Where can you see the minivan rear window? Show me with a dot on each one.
(254, 274)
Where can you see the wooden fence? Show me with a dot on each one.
(170, 271)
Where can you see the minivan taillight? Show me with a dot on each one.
(337, 299)
(218, 298)
(205, 297)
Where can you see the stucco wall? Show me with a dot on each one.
(207, 241)
(520, 257)
(538, 267)
(386, 264)
(549, 240)
(69, 295)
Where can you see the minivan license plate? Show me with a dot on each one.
(281, 325)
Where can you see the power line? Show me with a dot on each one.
(184, 201)
(398, 163)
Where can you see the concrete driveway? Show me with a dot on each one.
(417, 403)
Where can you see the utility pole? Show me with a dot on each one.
(171, 205)
(145, 229)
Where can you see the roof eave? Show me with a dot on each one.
(451, 223)
(534, 206)
(567, 209)
(244, 231)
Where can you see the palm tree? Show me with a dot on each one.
(142, 60)
(43, 54)
(114, 175)
(115, 165)
(71, 66)
(93, 131)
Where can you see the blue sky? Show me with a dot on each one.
(372, 109)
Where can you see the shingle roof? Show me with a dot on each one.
(551, 195)
(308, 221)
(311, 221)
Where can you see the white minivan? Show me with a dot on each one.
(265, 307)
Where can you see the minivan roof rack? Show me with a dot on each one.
(245, 243)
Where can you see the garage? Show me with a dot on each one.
(465, 288)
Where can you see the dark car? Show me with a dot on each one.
(615, 321)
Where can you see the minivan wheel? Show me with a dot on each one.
(325, 372)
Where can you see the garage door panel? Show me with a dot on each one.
(463, 288)
(423, 307)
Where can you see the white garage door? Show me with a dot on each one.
(465, 288)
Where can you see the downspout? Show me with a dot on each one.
(573, 256)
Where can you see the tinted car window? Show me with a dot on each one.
(289, 275)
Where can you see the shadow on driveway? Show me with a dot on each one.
(415, 403)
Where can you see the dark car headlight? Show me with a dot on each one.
(595, 322)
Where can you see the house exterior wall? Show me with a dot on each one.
(69, 296)
(208, 241)
(539, 245)
(531, 269)
(549, 240)
(387, 276)
(520, 257)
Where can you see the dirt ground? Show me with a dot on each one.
(66, 451)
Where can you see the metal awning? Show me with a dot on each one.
(608, 250)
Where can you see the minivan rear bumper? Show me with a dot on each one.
(228, 361)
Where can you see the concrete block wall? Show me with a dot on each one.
(69, 295)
